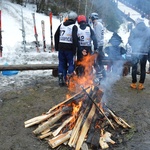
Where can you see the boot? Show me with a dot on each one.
(141, 86)
(133, 85)
(61, 79)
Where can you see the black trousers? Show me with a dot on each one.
(142, 60)
(99, 65)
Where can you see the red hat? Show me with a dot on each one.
(81, 18)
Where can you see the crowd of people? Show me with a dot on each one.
(78, 36)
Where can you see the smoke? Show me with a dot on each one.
(111, 78)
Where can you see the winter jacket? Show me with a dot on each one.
(139, 38)
(115, 49)
(115, 52)
(99, 32)
(72, 43)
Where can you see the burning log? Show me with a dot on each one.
(63, 125)
(75, 132)
(74, 97)
(85, 127)
(99, 109)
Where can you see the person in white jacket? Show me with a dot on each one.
(99, 33)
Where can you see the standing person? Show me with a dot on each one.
(139, 40)
(86, 36)
(115, 50)
(99, 32)
(66, 42)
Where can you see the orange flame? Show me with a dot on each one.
(75, 112)
(87, 78)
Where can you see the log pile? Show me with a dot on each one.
(78, 121)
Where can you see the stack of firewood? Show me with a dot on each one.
(78, 120)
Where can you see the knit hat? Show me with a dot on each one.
(72, 15)
(81, 18)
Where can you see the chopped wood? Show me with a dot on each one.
(98, 108)
(45, 135)
(38, 119)
(63, 125)
(45, 131)
(84, 146)
(58, 140)
(50, 122)
(103, 143)
(104, 139)
(119, 120)
(85, 127)
(87, 124)
(75, 131)
(107, 118)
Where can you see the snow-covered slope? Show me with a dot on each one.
(13, 51)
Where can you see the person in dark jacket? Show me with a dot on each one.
(66, 42)
(139, 41)
(86, 36)
(115, 52)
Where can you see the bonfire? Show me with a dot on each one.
(82, 120)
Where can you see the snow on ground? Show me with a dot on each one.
(13, 50)
(133, 14)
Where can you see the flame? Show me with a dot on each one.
(76, 108)
(97, 125)
(75, 112)
(87, 78)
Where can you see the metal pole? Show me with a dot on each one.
(23, 31)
